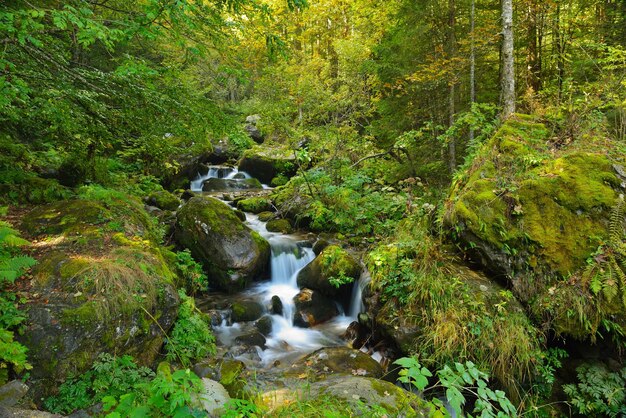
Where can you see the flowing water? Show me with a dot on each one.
(289, 255)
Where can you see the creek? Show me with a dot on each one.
(289, 254)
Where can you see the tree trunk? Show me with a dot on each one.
(472, 66)
(508, 67)
(451, 107)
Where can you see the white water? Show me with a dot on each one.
(288, 257)
(219, 172)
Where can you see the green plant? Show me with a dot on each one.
(109, 376)
(599, 392)
(168, 395)
(463, 379)
(12, 265)
(190, 271)
(241, 408)
(191, 337)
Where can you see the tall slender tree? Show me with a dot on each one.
(508, 65)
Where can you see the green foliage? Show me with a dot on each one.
(191, 272)
(191, 337)
(599, 392)
(167, 395)
(241, 408)
(459, 381)
(12, 265)
(109, 376)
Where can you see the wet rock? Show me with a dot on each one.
(266, 216)
(332, 263)
(231, 377)
(279, 225)
(319, 246)
(255, 205)
(246, 310)
(208, 369)
(12, 392)
(223, 185)
(312, 308)
(254, 133)
(240, 215)
(187, 194)
(356, 335)
(337, 360)
(264, 325)
(252, 338)
(276, 305)
(232, 253)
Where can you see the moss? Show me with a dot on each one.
(336, 262)
(279, 225)
(67, 217)
(231, 377)
(163, 200)
(255, 205)
(266, 216)
(86, 314)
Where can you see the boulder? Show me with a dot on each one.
(312, 308)
(266, 216)
(254, 133)
(255, 205)
(87, 298)
(264, 325)
(536, 218)
(12, 392)
(331, 273)
(252, 338)
(253, 119)
(276, 305)
(232, 253)
(246, 310)
(279, 225)
(213, 398)
(329, 361)
(265, 163)
(319, 245)
(163, 200)
(230, 185)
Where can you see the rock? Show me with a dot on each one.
(266, 216)
(87, 298)
(279, 225)
(319, 246)
(251, 338)
(253, 119)
(337, 360)
(208, 369)
(8, 412)
(537, 230)
(232, 253)
(276, 307)
(163, 200)
(356, 334)
(254, 133)
(213, 398)
(255, 205)
(229, 185)
(12, 392)
(240, 215)
(265, 163)
(264, 325)
(312, 308)
(246, 310)
(231, 377)
(187, 194)
(332, 263)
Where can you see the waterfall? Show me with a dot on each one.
(219, 172)
(356, 300)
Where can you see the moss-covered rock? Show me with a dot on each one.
(255, 205)
(279, 225)
(246, 310)
(331, 272)
(534, 216)
(232, 253)
(95, 289)
(265, 163)
(330, 361)
(163, 200)
(230, 185)
(266, 216)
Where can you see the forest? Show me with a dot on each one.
(312, 208)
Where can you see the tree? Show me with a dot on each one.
(508, 64)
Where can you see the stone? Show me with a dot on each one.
(279, 225)
(230, 185)
(330, 361)
(163, 200)
(253, 119)
(254, 133)
(12, 392)
(276, 305)
(255, 205)
(246, 310)
(213, 398)
(252, 338)
(265, 163)
(266, 216)
(264, 325)
(312, 308)
(319, 246)
(332, 263)
(232, 253)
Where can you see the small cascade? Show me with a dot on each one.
(217, 172)
(356, 300)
